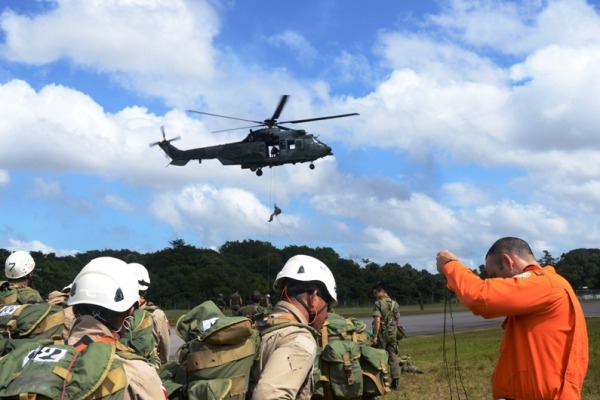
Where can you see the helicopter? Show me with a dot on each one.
(271, 145)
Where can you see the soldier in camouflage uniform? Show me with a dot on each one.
(18, 269)
(235, 302)
(386, 319)
(253, 310)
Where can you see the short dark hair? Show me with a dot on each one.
(256, 296)
(511, 245)
(379, 286)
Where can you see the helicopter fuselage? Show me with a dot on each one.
(266, 147)
(271, 145)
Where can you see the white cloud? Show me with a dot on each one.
(118, 203)
(36, 245)
(149, 45)
(212, 212)
(384, 244)
(518, 27)
(4, 177)
(461, 194)
(296, 44)
(45, 189)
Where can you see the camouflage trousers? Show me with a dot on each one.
(392, 349)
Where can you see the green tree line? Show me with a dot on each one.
(183, 276)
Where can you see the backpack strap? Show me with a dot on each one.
(283, 320)
(146, 322)
(391, 308)
(86, 340)
(58, 318)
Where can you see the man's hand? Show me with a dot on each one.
(442, 258)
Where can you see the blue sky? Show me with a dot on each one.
(478, 119)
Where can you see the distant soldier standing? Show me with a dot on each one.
(18, 269)
(386, 319)
(235, 302)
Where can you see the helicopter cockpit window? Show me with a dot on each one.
(299, 143)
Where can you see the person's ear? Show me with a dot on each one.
(508, 262)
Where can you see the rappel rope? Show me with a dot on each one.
(456, 377)
(273, 201)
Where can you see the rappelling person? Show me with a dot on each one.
(275, 213)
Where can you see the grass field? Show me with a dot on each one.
(459, 366)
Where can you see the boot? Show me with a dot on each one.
(395, 384)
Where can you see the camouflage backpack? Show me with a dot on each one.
(22, 323)
(139, 338)
(348, 367)
(17, 294)
(216, 358)
(87, 370)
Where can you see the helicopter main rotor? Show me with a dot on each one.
(272, 122)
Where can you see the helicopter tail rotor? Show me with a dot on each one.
(165, 140)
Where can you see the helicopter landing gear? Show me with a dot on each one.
(259, 172)
(311, 166)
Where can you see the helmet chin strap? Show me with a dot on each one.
(312, 312)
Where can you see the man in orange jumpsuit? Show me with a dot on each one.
(544, 350)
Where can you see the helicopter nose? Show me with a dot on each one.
(328, 149)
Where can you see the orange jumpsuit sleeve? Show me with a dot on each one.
(492, 298)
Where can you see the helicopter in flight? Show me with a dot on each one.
(271, 145)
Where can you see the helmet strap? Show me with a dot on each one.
(312, 312)
(96, 315)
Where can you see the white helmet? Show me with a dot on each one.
(106, 282)
(18, 264)
(307, 268)
(142, 276)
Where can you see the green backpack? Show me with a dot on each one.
(348, 367)
(216, 358)
(22, 323)
(8, 294)
(139, 338)
(87, 370)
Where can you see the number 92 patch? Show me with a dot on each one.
(45, 354)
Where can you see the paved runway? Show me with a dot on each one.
(432, 324)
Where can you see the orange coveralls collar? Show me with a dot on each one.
(544, 350)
